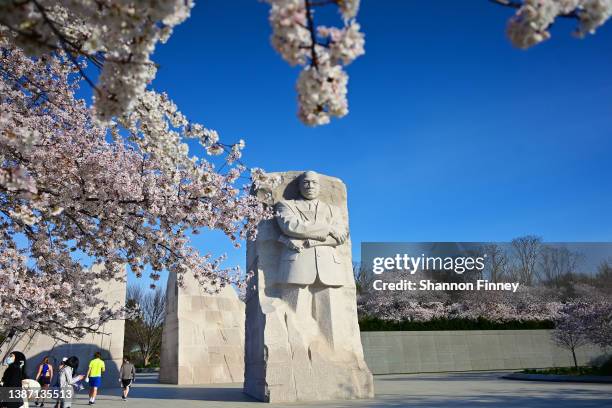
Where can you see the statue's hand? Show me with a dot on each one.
(338, 236)
(294, 246)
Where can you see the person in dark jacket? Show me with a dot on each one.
(126, 376)
(13, 376)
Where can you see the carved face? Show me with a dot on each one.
(309, 185)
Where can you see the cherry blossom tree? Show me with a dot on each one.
(597, 317)
(599, 330)
(123, 194)
(569, 331)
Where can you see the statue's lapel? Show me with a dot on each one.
(300, 206)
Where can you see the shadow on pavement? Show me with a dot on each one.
(148, 386)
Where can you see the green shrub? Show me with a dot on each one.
(605, 369)
(376, 324)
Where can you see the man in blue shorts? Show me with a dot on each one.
(94, 374)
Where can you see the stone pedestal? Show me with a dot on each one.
(109, 341)
(203, 335)
(303, 341)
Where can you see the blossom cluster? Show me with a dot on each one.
(322, 51)
(124, 194)
(530, 25)
(526, 304)
(59, 304)
(117, 36)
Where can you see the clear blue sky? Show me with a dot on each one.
(453, 135)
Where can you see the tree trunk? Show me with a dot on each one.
(574, 355)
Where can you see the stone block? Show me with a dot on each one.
(203, 335)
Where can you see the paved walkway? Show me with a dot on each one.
(453, 390)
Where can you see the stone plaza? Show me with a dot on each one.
(437, 390)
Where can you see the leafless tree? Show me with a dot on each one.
(557, 264)
(144, 332)
(604, 276)
(497, 262)
(363, 277)
(526, 252)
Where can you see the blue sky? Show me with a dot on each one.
(453, 135)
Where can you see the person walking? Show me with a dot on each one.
(43, 376)
(127, 373)
(67, 381)
(13, 376)
(94, 375)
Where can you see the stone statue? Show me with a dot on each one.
(310, 231)
(302, 336)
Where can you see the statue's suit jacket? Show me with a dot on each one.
(303, 267)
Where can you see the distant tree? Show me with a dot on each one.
(598, 321)
(363, 277)
(144, 332)
(599, 331)
(497, 264)
(557, 264)
(570, 327)
(526, 251)
(603, 278)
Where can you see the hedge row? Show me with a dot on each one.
(376, 324)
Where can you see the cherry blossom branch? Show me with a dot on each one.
(313, 35)
(518, 4)
(64, 42)
(508, 3)
(315, 3)
(322, 52)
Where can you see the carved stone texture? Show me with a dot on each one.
(302, 336)
(203, 335)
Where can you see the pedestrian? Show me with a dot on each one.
(67, 380)
(127, 373)
(94, 375)
(43, 376)
(14, 374)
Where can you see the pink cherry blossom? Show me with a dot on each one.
(127, 193)
(321, 51)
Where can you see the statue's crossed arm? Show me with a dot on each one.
(292, 225)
